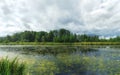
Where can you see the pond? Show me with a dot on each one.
(66, 60)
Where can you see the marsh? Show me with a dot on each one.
(66, 60)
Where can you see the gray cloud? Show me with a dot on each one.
(80, 16)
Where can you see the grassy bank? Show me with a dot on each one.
(13, 67)
(97, 43)
(54, 43)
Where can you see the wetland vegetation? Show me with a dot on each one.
(12, 67)
(66, 60)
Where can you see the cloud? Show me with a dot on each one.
(102, 16)
(99, 17)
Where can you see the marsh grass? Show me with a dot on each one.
(58, 43)
(13, 67)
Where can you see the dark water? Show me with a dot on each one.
(66, 60)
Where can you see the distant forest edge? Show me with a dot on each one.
(57, 36)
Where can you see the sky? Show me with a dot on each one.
(100, 17)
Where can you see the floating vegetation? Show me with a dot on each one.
(75, 65)
(71, 60)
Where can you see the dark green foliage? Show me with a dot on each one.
(40, 36)
(61, 35)
(28, 36)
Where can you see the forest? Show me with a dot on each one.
(61, 35)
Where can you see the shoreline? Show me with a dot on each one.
(55, 43)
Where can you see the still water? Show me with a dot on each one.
(66, 60)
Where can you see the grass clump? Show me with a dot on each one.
(13, 67)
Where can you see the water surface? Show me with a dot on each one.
(66, 60)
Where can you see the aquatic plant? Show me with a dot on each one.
(13, 67)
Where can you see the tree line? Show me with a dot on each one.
(61, 35)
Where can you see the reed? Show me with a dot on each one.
(13, 67)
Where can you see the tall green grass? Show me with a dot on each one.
(13, 67)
